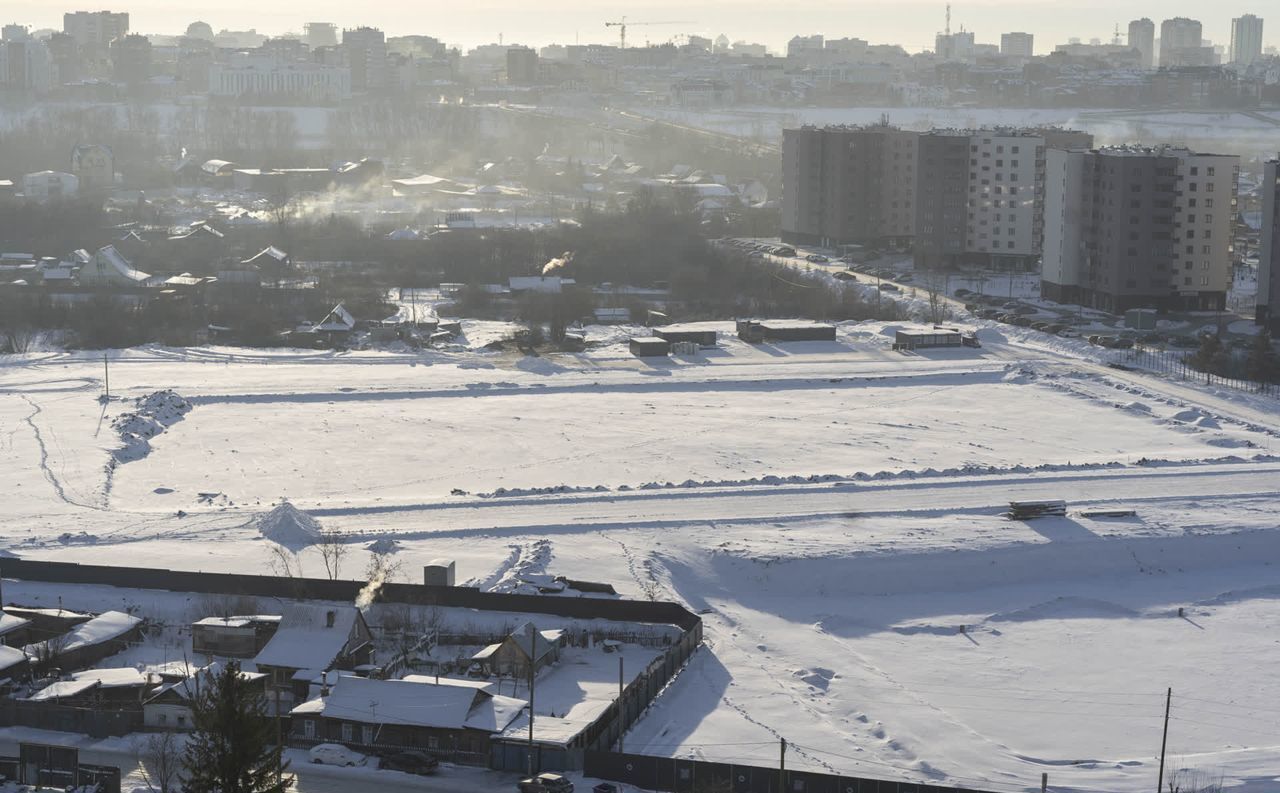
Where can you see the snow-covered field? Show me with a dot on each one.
(835, 508)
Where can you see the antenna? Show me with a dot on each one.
(948, 30)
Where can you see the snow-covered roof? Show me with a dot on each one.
(306, 640)
(415, 704)
(62, 689)
(546, 729)
(109, 263)
(10, 657)
(270, 252)
(119, 677)
(102, 628)
(10, 623)
(238, 621)
(486, 686)
(542, 641)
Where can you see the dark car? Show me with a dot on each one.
(844, 275)
(605, 787)
(889, 288)
(411, 762)
(963, 292)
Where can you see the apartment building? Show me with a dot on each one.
(1268, 306)
(1138, 227)
(366, 51)
(1142, 37)
(250, 74)
(995, 191)
(95, 29)
(1017, 45)
(1246, 39)
(844, 185)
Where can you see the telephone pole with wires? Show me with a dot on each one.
(1164, 740)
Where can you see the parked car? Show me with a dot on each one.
(545, 783)
(411, 762)
(905, 278)
(1040, 325)
(889, 288)
(1121, 343)
(845, 275)
(816, 258)
(1021, 322)
(335, 754)
(1183, 342)
(962, 292)
(988, 313)
(1069, 333)
(1025, 310)
(605, 787)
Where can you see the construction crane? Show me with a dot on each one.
(623, 24)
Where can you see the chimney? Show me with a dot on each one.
(329, 618)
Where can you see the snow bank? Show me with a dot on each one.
(289, 526)
(152, 415)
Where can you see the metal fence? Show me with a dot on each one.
(1173, 363)
(381, 749)
(698, 776)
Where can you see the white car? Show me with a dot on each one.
(335, 754)
(1069, 333)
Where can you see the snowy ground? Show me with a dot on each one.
(835, 507)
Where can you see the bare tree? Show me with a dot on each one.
(284, 562)
(333, 547)
(935, 283)
(382, 567)
(160, 760)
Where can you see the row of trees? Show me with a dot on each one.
(1259, 363)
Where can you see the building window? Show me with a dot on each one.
(1195, 171)
(1191, 218)
(366, 734)
(347, 732)
(1191, 202)
(433, 742)
(1208, 203)
(1205, 249)
(1209, 170)
(1204, 280)
(1209, 187)
(309, 728)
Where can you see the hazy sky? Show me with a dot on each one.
(911, 23)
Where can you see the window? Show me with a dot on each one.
(1191, 249)
(1191, 218)
(1014, 163)
(1191, 234)
(1192, 187)
(433, 742)
(1208, 218)
(1010, 245)
(309, 728)
(1191, 202)
(1208, 203)
(1208, 233)
(1204, 265)
(1209, 187)
(1209, 170)
(1014, 149)
(348, 732)
(366, 734)
(164, 718)
(1194, 170)
(1204, 280)
(1205, 249)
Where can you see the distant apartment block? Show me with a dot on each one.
(955, 46)
(95, 29)
(1246, 39)
(1268, 305)
(1182, 44)
(320, 34)
(1135, 227)
(1142, 37)
(26, 65)
(250, 75)
(366, 50)
(1017, 45)
(845, 185)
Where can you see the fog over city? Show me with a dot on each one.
(660, 398)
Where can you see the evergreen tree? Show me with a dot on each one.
(231, 750)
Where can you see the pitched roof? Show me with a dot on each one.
(10, 657)
(306, 640)
(108, 262)
(529, 640)
(102, 628)
(415, 704)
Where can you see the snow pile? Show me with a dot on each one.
(289, 526)
(152, 415)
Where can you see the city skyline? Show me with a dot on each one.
(573, 21)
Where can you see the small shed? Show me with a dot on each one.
(439, 572)
(233, 637)
(650, 347)
(703, 337)
(784, 330)
(921, 339)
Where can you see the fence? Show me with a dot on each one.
(323, 589)
(1173, 364)
(697, 776)
(382, 749)
(94, 722)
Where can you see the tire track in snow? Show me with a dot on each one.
(45, 469)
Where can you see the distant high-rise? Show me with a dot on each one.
(1182, 43)
(366, 50)
(1142, 37)
(954, 46)
(320, 34)
(522, 66)
(95, 29)
(1246, 39)
(1017, 45)
(1268, 303)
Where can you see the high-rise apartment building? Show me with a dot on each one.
(1142, 37)
(1246, 39)
(95, 29)
(1268, 303)
(955, 46)
(1182, 44)
(843, 185)
(320, 34)
(366, 51)
(522, 66)
(1017, 45)
(1136, 227)
(984, 208)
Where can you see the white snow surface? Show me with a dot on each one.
(835, 510)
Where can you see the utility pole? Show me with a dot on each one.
(106, 378)
(533, 652)
(1164, 741)
(782, 767)
(1044, 782)
(622, 706)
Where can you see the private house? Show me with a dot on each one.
(513, 655)
(312, 640)
(169, 706)
(270, 263)
(14, 665)
(109, 268)
(44, 623)
(44, 186)
(124, 688)
(14, 631)
(455, 719)
(233, 637)
(86, 644)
